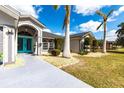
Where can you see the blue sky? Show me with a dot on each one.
(83, 18)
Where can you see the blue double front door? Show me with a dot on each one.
(25, 44)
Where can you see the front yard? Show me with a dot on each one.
(106, 71)
(97, 69)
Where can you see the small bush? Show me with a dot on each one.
(83, 53)
(55, 52)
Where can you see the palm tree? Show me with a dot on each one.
(120, 31)
(120, 34)
(105, 17)
(66, 26)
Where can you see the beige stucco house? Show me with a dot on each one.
(25, 34)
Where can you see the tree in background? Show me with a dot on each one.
(59, 43)
(95, 45)
(120, 34)
(100, 43)
(104, 23)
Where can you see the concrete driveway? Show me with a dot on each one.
(36, 74)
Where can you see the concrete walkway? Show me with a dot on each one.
(36, 74)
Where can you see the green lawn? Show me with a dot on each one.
(106, 71)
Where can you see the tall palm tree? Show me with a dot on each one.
(66, 27)
(120, 34)
(105, 17)
(120, 31)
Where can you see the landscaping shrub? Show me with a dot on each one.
(55, 52)
(83, 53)
(59, 43)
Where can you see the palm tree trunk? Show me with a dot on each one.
(104, 42)
(66, 50)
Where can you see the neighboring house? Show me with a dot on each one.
(77, 41)
(111, 45)
(25, 34)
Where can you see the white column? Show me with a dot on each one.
(36, 46)
(16, 38)
(8, 45)
(40, 42)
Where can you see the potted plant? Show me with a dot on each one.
(1, 58)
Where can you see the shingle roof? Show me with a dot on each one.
(50, 35)
(79, 34)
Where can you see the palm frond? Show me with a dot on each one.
(99, 26)
(56, 7)
(121, 25)
(100, 13)
(110, 13)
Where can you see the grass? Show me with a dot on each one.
(102, 72)
(59, 61)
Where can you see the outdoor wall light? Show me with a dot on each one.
(9, 32)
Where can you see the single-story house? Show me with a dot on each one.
(25, 34)
(77, 41)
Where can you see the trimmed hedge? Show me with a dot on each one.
(55, 52)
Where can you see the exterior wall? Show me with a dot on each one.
(7, 41)
(8, 45)
(75, 45)
(1, 41)
(6, 20)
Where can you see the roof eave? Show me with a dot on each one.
(34, 19)
(8, 11)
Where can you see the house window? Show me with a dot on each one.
(45, 45)
(51, 45)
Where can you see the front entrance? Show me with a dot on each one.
(25, 44)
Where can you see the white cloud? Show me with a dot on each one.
(39, 10)
(47, 30)
(26, 10)
(111, 35)
(87, 10)
(58, 33)
(90, 26)
(116, 13)
(119, 11)
(73, 32)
